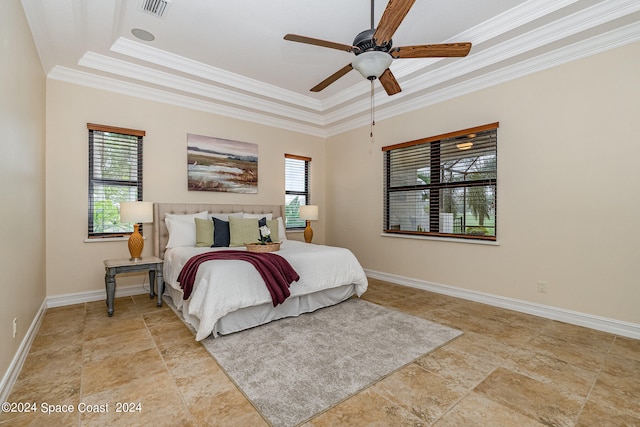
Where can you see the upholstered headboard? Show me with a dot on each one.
(161, 234)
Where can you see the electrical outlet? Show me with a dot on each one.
(15, 326)
(542, 286)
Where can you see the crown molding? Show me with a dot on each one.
(137, 72)
(137, 90)
(198, 69)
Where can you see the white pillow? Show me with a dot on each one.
(182, 228)
(259, 216)
(282, 235)
(225, 216)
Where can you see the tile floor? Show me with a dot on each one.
(508, 369)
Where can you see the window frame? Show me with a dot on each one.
(94, 181)
(436, 183)
(306, 193)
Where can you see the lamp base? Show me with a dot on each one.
(308, 233)
(136, 244)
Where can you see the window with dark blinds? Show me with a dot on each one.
(443, 186)
(115, 175)
(296, 171)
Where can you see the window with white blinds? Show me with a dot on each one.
(115, 175)
(296, 171)
(443, 186)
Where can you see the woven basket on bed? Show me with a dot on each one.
(259, 247)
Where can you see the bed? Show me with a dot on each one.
(230, 296)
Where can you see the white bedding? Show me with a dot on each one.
(222, 287)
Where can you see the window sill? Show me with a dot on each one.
(109, 239)
(442, 239)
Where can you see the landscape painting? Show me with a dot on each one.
(217, 164)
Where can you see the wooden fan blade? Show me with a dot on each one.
(332, 78)
(389, 83)
(431, 50)
(391, 18)
(318, 42)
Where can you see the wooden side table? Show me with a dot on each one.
(116, 266)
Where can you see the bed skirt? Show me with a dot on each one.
(258, 315)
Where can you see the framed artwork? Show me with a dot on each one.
(217, 164)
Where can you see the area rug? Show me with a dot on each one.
(295, 368)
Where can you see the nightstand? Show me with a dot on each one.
(116, 266)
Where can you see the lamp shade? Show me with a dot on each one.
(136, 212)
(309, 212)
(372, 64)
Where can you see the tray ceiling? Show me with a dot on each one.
(229, 57)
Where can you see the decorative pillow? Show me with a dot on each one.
(272, 224)
(243, 230)
(265, 215)
(225, 216)
(282, 232)
(221, 235)
(182, 228)
(204, 232)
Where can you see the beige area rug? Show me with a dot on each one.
(294, 368)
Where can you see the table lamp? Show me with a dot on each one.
(136, 212)
(308, 213)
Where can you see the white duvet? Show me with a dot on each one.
(223, 286)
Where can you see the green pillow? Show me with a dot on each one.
(204, 232)
(243, 230)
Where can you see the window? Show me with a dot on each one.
(115, 175)
(296, 185)
(443, 186)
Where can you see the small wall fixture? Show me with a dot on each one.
(308, 213)
(136, 212)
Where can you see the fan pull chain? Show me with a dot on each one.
(373, 119)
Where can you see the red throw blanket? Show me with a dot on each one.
(276, 271)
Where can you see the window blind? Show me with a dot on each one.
(296, 188)
(443, 186)
(115, 175)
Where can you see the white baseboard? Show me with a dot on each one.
(15, 366)
(54, 301)
(80, 297)
(618, 327)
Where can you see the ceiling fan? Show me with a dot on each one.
(374, 51)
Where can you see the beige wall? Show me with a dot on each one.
(22, 186)
(75, 266)
(568, 203)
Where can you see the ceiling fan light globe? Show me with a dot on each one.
(372, 64)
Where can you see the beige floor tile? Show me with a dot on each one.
(122, 307)
(230, 409)
(108, 326)
(366, 409)
(594, 414)
(622, 367)
(140, 401)
(118, 370)
(616, 392)
(573, 354)
(477, 410)
(530, 397)
(626, 347)
(565, 377)
(423, 394)
(117, 345)
(578, 335)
